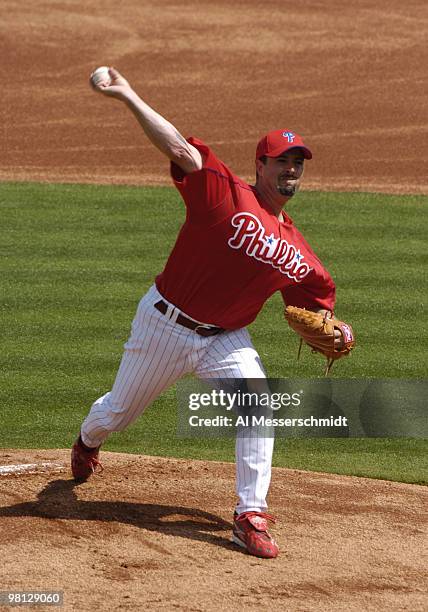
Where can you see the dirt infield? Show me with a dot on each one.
(349, 76)
(153, 533)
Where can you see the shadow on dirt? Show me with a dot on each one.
(58, 500)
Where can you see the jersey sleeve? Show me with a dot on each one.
(206, 192)
(319, 291)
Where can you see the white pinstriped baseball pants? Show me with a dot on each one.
(158, 353)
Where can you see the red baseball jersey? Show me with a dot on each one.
(233, 253)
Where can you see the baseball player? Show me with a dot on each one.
(236, 247)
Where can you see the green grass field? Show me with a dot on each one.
(77, 259)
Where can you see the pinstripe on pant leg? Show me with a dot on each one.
(232, 355)
(157, 353)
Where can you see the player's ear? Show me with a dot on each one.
(259, 167)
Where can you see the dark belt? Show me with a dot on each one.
(199, 328)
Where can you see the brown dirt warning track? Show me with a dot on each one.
(153, 533)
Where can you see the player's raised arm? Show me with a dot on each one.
(160, 132)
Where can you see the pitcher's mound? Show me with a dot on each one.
(154, 533)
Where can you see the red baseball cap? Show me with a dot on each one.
(279, 141)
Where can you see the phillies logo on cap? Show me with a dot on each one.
(289, 136)
(277, 142)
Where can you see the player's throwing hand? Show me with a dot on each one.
(114, 84)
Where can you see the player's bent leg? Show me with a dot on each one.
(156, 355)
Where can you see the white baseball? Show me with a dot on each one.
(101, 75)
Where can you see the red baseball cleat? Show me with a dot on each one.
(84, 461)
(250, 532)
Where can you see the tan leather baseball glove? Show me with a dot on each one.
(318, 331)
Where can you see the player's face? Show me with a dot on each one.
(284, 172)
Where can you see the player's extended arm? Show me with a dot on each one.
(159, 131)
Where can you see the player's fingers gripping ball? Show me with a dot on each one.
(100, 77)
(318, 331)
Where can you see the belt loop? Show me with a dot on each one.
(172, 313)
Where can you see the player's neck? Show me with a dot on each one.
(273, 199)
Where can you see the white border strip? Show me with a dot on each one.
(30, 468)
